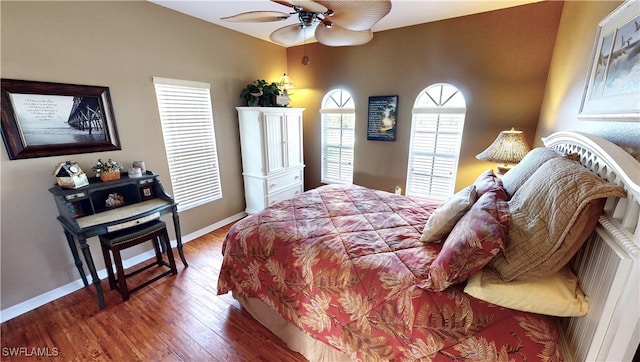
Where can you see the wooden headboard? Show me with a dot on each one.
(608, 265)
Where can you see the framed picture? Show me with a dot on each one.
(48, 119)
(612, 91)
(146, 192)
(382, 118)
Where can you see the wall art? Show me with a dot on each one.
(42, 119)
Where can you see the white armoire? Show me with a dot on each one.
(272, 162)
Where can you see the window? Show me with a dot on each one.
(436, 136)
(338, 125)
(189, 141)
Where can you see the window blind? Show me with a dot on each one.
(338, 127)
(436, 137)
(189, 139)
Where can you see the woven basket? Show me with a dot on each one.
(110, 176)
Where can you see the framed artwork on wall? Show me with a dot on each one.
(48, 119)
(382, 121)
(612, 91)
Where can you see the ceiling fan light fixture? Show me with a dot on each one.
(306, 18)
(351, 21)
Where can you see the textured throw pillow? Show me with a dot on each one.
(552, 214)
(521, 172)
(447, 215)
(474, 241)
(488, 181)
(555, 295)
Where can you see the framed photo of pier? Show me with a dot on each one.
(41, 119)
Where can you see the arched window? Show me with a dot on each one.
(338, 127)
(436, 135)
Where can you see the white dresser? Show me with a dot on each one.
(272, 162)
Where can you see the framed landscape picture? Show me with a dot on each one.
(48, 119)
(612, 91)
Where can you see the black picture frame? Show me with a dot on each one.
(41, 119)
(382, 121)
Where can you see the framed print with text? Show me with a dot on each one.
(48, 119)
(382, 120)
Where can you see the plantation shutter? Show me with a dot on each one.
(338, 147)
(189, 139)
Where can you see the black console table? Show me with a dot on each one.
(103, 207)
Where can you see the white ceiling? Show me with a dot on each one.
(403, 12)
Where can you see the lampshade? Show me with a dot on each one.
(509, 148)
(285, 83)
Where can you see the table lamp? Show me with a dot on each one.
(508, 149)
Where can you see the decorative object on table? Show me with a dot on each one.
(284, 83)
(107, 170)
(508, 149)
(260, 93)
(612, 89)
(69, 175)
(346, 23)
(140, 165)
(48, 119)
(134, 172)
(114, 200)
(382, 118)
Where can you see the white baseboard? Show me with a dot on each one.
(56, 293)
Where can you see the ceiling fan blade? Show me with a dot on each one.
(257, 17)
(306, 5)
(292, 34)
(357, 15)
(337, 36)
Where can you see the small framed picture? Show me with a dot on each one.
(146, 192)
(383, 118)
(75, 209)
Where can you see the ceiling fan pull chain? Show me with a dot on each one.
(305, 58)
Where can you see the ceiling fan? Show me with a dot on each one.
(332, 22)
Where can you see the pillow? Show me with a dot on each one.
(552, 214)
(520, 173)
(488, 181)
(557, 294)
(474, 241)
(447, 215)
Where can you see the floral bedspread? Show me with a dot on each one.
(342, 264)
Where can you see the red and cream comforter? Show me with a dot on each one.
(343, 263)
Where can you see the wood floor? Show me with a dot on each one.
(177, 318)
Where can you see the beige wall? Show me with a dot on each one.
(121, 45)
(499, 60)
(568, 75)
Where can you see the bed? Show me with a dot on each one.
(513, 268)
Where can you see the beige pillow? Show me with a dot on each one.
(442, 221)
(519, 174)
(557, 294)
(552, 214)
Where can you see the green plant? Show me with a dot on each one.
(104, 167)
(260, 93)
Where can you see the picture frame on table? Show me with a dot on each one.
(49, 119)
(382, 121)
(612, 90)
